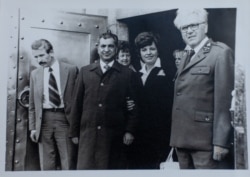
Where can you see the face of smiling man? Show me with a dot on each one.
(107, 49)
(193, 31)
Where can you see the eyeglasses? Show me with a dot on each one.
(193, 27)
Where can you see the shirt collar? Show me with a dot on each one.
(157, 64)
(198, 47)
(54, 66)
(102, 64)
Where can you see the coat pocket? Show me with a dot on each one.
(200, 70)
(204, 117)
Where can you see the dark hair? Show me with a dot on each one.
(107, 35)
(42, 44)
(124, 47)
(145, 38)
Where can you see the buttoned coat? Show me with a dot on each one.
(68, 75)
(155, 107)
(100, 116)
(202, 97)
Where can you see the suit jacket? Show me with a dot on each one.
(202, 97)
(99, 114)
(68, 74)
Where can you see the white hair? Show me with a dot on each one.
(182, 14)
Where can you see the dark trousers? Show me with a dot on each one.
(195, 159)
(54, 140)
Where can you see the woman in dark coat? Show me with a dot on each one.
(151, 145)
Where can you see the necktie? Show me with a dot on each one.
(190, 53)
(106, 67)
(54, 96)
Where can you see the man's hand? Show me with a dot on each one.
(130, 104)
(128, 138)
(219, 153)
(75, 140)
(33, 135)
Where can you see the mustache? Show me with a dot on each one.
(42, 62)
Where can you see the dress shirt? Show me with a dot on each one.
(145, 73)
(104, 64)
(198, 47)
(56, 72)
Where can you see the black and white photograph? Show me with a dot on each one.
(124, 88)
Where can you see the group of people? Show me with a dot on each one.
(110, 116)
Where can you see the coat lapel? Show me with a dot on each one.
(64, 72)
(39, 82)
(201, 55)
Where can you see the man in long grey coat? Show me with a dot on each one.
(101, 122)
(201, 122)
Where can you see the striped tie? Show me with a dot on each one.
(107, 67)
(54, 96)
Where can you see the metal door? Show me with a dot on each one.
(73, 37)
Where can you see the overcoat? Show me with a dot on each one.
(68, 75)
(202, 98)
(100, 116)
(155, 107)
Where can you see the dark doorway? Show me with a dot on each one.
(221, 22)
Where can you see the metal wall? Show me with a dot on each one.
(73, 37)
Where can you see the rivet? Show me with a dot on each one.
(97, 26)
(19, 120)
(96, 44)
(21, 57)
(15, 47)
(23, 18)
(10, 56)
(61, 22)
(10, 77)
(11, 36)
(20, 78)
(16, 161)
(43, 20)
(79, 24)
(11, 16)
(14, 67)
(17, 141)
(22, 38)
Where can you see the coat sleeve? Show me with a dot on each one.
(32, 118)
(224, 84)
(77, 106)
(132, 118)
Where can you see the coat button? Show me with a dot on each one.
(99, 127)
(178, 93)
(100, 105)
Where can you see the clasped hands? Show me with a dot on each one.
(219, 153)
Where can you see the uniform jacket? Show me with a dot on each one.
(99, 114)
(202, 97)
(68, 75)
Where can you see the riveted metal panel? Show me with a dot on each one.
(13, 24)
(73, 36)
